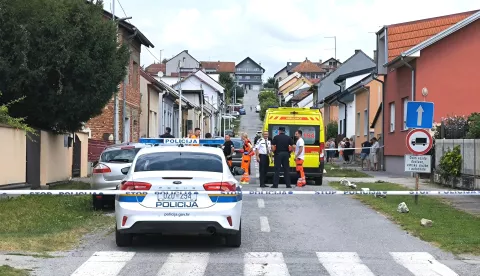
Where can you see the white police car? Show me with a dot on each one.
(176, 176)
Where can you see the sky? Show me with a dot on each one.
(271, 32)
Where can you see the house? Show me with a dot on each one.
(309, 70)
(120, 119)
(183, 62)
(197, 89)
(360, 102)
(440, 54)
(288, 92)
(303, 97)
(328, 90)
(155, 68)
(249, 74)
(281, 74)
(327, 66)
(217, 67)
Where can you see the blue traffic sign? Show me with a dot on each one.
(419, 115)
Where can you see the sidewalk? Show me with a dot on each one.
(470, 204)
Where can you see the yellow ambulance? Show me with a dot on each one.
(310, 122)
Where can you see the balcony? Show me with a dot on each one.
(254, 71)
(251, 80)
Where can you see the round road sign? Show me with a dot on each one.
(419, 141)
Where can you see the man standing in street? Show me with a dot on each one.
(263, 151)
(299, 157)
(228, 150)
(167, 134)
(282, 146)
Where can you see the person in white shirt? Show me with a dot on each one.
(299, 158)
(263, 152)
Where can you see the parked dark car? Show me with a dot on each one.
(242, 111)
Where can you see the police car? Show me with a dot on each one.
(185, 181)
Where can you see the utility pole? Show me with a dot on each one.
(335, 39)
(180, 119)
(115, 96)
(161, 55)
(202, 124)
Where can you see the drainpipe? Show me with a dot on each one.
(148, 112)
(383, 117)
(345, 124)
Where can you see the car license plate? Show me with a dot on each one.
(177, 196)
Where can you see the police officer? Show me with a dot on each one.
(263, 150)
(282, 147)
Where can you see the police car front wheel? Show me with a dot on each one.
(123, 239)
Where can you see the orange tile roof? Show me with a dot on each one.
(404, 36)
(220, 66)
(154, 68)
(308, 67)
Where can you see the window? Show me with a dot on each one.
(340, 130)
(405, 101)
(365, 122)
(311, 134)
(392, 116)
(135, 75)
(179, 161)
(357, 124)
(247, 77)
(119, 155)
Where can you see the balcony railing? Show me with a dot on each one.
(250, 80)
(248, 71)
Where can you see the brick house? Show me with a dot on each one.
(102, 127)
(440, 54)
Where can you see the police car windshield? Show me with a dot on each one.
(179, 161)
(237, 143)
(119, 155)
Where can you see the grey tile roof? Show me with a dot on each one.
(358, 61)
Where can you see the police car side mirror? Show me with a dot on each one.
(125, 170)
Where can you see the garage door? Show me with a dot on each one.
(256, 87)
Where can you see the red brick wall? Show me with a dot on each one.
(103, 124)
(95, 148)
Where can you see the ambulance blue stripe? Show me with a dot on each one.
(131, 198)
(223, 199)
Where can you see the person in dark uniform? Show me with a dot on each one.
(282, 147)
(228, 150)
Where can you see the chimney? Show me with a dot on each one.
(320, 61)
(356, 51)
(186, 51)
(375, 55)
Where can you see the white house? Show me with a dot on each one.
(187, 62)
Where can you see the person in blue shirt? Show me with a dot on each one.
(365, 154)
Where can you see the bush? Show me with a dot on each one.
(454, 127)
(473, 123)
(451, 164)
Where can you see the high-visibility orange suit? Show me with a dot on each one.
(246, 158)
(299, 167)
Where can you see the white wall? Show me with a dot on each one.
(351, 81)
(281, 75)
(350, 117)
(307, 100)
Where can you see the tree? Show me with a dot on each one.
(271, 83)
(62, 58)
(8, 120)
(266, 98)
(240, 92)
(332, 130)
(227, 82)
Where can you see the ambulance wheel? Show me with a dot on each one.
(122, 239)
(234, 240)
(319, 181)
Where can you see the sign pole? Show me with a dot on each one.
(416, 188)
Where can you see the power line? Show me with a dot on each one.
(153, 55)
(122, 9)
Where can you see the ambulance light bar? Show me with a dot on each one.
(181, 141)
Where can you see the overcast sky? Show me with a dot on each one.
(271, 32)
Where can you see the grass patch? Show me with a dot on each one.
(41, 255)
(71, 185)
(48, 223)
(336, 171)
(6, 270)
(453, 230)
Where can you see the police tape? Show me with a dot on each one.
(342, 149)
(213, 193)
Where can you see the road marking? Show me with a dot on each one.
(261, 203)
(265, 264)
(343, 264)
(264, 227)
(259, 189)
(422, 263)
(105, 263)
(180, 264)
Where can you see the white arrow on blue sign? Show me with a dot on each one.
(420, 115)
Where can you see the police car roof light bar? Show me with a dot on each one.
(182, 141)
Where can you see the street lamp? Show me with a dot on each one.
(180, 64)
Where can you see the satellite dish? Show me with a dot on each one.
(160, 74)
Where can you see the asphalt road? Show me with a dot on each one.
(282, 235)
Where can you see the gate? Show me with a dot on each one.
(33, 160)
(77, 157)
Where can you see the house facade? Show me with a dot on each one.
(249, 74)
(217, 67)
(324, 97)
(281, 75)
(120, 119)
(419, 63)
(188, 64)
(150, 99)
